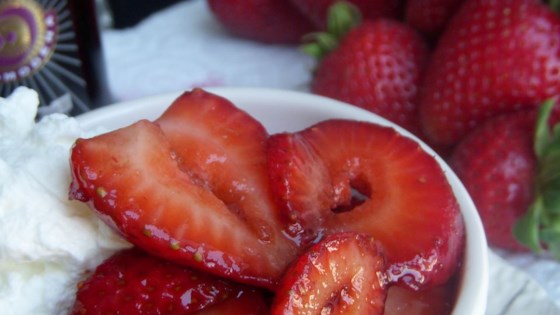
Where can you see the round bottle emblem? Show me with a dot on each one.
(28, 37)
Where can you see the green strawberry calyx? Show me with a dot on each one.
(342, 16)
(554, 5)
(539, 228)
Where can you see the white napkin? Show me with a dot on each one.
(514, 292)
(183, 46)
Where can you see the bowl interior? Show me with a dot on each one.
(281, 110)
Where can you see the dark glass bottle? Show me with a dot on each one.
(53, 47)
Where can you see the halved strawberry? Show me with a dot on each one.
(342, 274)
(223, 149)
(342, 175)
(133, 282)
(132, 177)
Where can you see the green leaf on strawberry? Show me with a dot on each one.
(376, 64)
(554, 5)
(342, 17)
(526, 230)
(542, 131)
(539, 228)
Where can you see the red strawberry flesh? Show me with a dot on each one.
(223, 149)
(246, 302)
(434, 301)
(133, 282)
(343, 274)
(343, 175)
(132, 179)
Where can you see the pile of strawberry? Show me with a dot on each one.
(342, 217)
(442, 69)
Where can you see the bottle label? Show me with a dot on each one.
(38, 49)
(27, 39)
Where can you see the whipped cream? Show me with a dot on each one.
(47, 242)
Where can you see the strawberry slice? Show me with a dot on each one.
(438, 300)
(246, 302)
(132, 178)
(342, 175)
(223, 149)
(342, 274)
(133, 282)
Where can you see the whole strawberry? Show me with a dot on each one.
(377, 65)
(430, 17)
(512, 172)
(496, 56)
(269, 21)
(317, 10)
(133, 282)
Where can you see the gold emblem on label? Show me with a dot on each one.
(27, 38)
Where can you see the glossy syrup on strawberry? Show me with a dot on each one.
(342, 274)
(341, 175)
(195, 192)
(204, 186)
(133, 282)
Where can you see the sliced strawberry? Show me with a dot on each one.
(343, 274)
(434, 301)
(133, 282)
(223, 149)
(246, 302)
(341, 175)
(132, 179)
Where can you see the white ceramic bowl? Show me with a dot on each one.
(281, 110)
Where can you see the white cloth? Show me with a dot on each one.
(515, 292)
(183, 46)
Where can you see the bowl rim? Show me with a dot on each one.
(474, 276)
